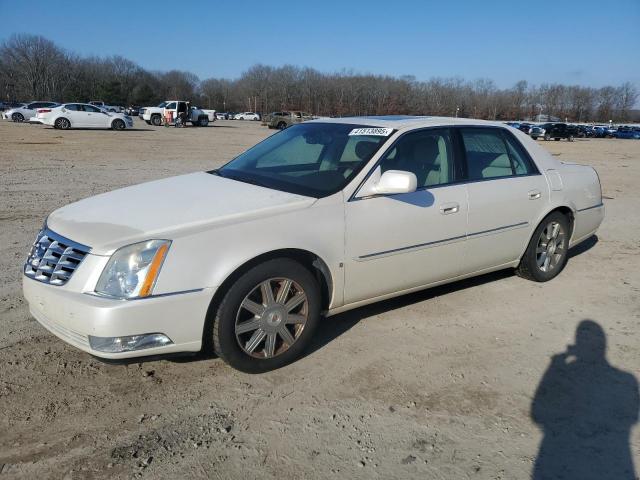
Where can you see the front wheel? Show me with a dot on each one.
(267, 317)
(548, 249)
(17, 117)
(118, 124)
(204, 121)
(282, 126)
(547, 137)
(156, 120)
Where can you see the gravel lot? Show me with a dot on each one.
(436, 385)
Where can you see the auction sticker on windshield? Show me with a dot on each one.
(379, 132)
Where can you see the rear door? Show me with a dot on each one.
(507, 194)
(75, 114)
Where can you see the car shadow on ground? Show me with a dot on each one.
(331, 328)
(586, 408)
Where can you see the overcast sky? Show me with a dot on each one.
(592, 43)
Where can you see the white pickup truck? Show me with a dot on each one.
(155, 115)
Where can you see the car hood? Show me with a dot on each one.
(167, 208)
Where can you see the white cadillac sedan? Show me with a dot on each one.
(320, 218)
(83, 115)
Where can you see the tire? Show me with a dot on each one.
(62, 124)
(156, 120)
(17, 117)
(247, 348)
(204, 122)
(535, 138)
(539, 250)
(570, 138)
(547, 137)
(281, 126)
(118, 124)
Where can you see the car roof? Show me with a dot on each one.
(398, 122)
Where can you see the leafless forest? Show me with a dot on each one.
(34, 68)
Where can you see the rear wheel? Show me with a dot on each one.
(282, 126)
(267, 317)
(17, 117)
(204, 121)
(547, 252)
(118, 124)
(62, 124)
(156, 120)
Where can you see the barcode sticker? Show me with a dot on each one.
(378, 132)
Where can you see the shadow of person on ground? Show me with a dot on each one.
(586, 408)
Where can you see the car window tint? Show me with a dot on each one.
(486, 152)
(426, 153)
(171, 106)
(72, 107)
(91, 109)
(521, 162)
(295, 152)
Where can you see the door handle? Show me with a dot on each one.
(448, 208)
(534, 194)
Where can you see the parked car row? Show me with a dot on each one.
(560, 130)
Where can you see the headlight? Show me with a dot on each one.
(132, 270)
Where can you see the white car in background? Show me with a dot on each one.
(211, 114)
(83, 115)
(247, 116)
(320, 218)
(24, 113)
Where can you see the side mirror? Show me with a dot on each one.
(389, 182)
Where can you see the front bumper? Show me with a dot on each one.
(73, 316)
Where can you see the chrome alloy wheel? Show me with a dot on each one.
(271, 318)
(551, 247)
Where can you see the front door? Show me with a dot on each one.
(397, 242)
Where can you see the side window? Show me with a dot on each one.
(486, 152)
(427, 153)
(91, 109)
(171, 106)
(521, 161)
(72, 107)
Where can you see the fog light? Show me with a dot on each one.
(128, 343)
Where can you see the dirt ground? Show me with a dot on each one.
(435, 385)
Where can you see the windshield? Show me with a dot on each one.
(311, 159)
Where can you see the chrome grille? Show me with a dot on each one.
(53, 258)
